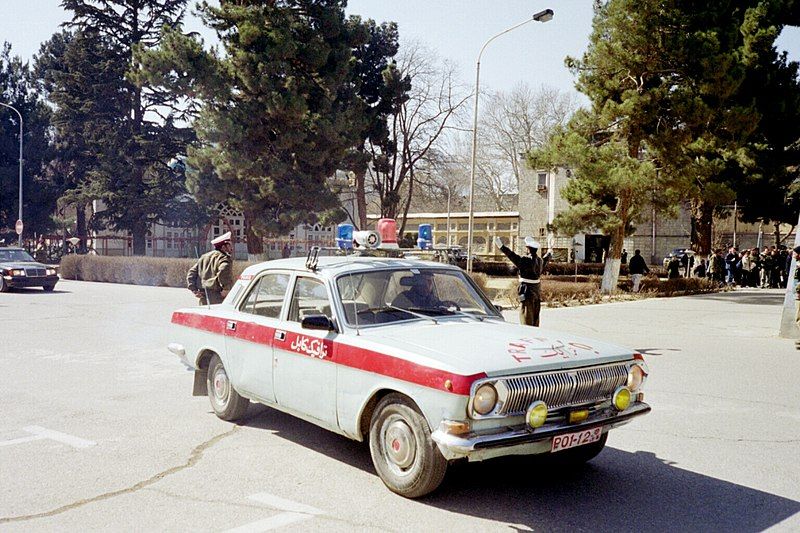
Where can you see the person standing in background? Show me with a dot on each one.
(637, 269)
(530, 270)
(212, 276)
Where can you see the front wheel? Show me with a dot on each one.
(225, 401)
(580, 454)
(3, 285)
(405, 456)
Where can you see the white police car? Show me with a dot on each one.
(411, 356)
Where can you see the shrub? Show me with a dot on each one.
(155, 271)
(678, 286)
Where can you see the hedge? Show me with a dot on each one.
(155, 271)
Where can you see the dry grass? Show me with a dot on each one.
(154, 271)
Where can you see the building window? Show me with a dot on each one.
(441, 227)
(542, 180)
(513, 226)
(463, 227)
(503, 226)
(481, 226)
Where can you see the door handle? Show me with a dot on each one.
(280, 335)
(231, 325)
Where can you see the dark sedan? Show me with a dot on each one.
(19, 269)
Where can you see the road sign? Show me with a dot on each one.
(19, 227)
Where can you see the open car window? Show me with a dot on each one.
(384, 296)
(310, 297)
(266, 296)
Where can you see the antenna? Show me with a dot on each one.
(313, 258)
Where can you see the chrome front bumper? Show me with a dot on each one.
(485, 444)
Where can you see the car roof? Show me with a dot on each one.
(331, 266)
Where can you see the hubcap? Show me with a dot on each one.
(398, 442)
(221, 386)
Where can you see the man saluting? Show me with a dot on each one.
(213, 273)
(530, 270)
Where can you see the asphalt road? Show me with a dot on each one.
(100, 432)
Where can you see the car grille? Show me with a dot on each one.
(35, 272)
(562, 388)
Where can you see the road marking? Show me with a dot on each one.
(293, 512)
(40, 433)
(20, 440)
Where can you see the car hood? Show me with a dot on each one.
(468, 346)
(18, 264)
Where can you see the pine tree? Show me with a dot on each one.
(279, 112)
(83, 80)
(133, 176)
(18, 89)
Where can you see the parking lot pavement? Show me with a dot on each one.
(100, 432)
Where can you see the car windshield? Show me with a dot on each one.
(384, 296)
(15, 255)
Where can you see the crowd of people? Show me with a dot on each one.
(749, 268)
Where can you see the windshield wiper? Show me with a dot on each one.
(464, 313)
(410, 312)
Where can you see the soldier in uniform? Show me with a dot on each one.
(530, 270)
(213, 273)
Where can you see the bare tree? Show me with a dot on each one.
(514, 123)
(510, 125)
(415, 130)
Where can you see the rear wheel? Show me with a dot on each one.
(3, 285)
(225, 401)
(405, 456)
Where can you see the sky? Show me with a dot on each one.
(454, 29)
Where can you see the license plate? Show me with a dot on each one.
(579, 438)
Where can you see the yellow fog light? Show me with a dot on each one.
(578, 416)
(537, 414)
(621, 399)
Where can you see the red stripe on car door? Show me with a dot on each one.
(343, 354)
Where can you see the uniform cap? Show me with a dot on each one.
(222, 238)
(797, 249)
(530, 242)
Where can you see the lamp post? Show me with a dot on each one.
(541, 16)
(448, 217)
(20, 162)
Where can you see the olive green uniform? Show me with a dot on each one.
(212, 274)
(530, 296)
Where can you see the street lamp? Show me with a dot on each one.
(20, 162)
(541, 16)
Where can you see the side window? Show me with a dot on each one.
(309, 298)
(266, 298)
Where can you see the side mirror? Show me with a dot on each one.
(320, 322)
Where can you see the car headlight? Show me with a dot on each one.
(636, 375)
(18, 272)
(485, 399)
(51, 271)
